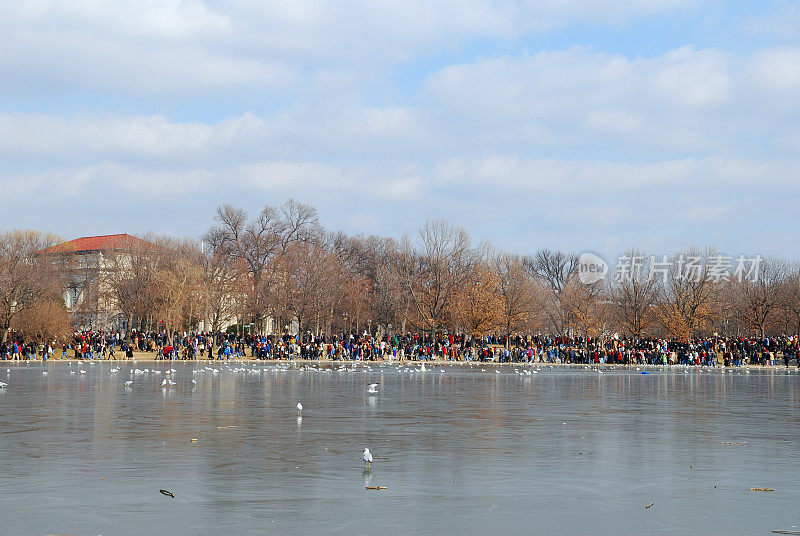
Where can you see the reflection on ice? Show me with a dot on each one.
(93, 449)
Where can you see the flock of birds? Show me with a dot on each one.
(246, 368)
(254, 369)
(257, 369)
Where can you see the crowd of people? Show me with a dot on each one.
(708, 351)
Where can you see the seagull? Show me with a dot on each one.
(367, 457)
(3, 385)
(129, 383)
(299, 408)
(194, 382)
(164, 382)
(44, 373)
(114, 370)
(373, 388)
(83, 371)
(423, 368)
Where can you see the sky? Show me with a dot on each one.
(570, 124)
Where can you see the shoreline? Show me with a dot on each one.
(148, 358)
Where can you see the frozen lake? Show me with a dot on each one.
(559, 451)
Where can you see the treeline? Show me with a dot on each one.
(281, 268)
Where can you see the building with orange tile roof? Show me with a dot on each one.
(90, 262)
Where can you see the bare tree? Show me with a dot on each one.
(558, 271)
(45, 322)
(259, 242)
(635, 294)
(689, 301)
(177, 285)
(307, 270)
(479, 305)
(726, 319)
(555, 268)
(517, 293)
(587, 306)
(281, 265)
(29, 275)
(375, 259)
(435, 273)
(760, 295)
(790, 298)
(388, 299)
(128, 278)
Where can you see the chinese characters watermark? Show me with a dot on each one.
(715, 268)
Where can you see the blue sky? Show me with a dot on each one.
(573, 124)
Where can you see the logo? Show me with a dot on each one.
(591, 268)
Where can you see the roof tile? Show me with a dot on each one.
(96, 243)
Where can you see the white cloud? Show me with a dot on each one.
(171, 48)
(20, 185)
(685, 102)
(74, 183)
(516, 201)
(782, 20)
(370, 182)
(688, 78)
(390, 112)
(709, 174)
(614, 121)
(776, 70)
(302, 133)
(540, 85)
(484, 177)
(285, 175)
(703, 212)
(279, 178)
(88, 136)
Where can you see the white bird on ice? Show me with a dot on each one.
(367, 457)
(299, 408)
(129, 383)
(164, 382)
(194, 382)
(44, 373)
(83, 371)
(373, 388)
(3, 385)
